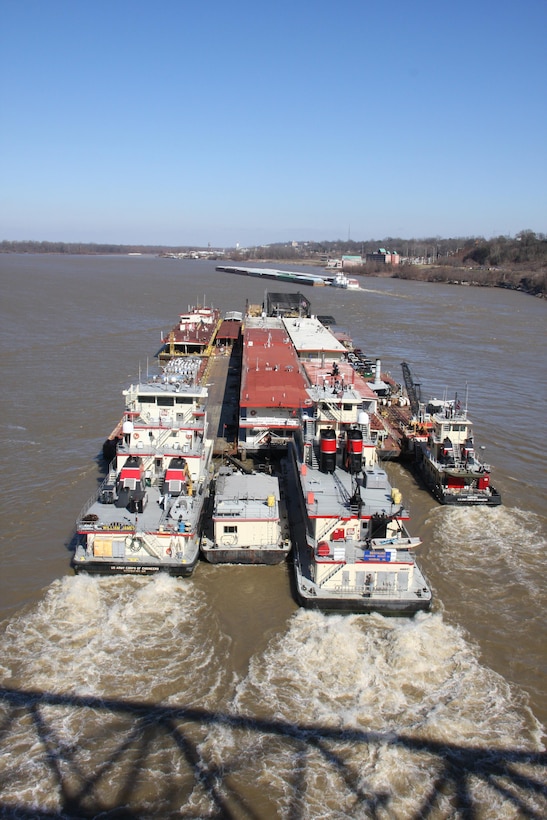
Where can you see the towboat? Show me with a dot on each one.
(147, 514)
(356, 554)
(445, 455)
(340, 280)
(248, 523)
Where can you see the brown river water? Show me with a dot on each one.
(216, 696)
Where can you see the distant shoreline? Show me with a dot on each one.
(524, 281)
(533, 283)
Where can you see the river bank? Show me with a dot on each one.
(526, 281)
(519, 265)
(531, 282)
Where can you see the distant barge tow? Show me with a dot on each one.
(280, 275)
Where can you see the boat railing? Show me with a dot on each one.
(150, 548)
(192, 420)
(458, 463)
(176, 449)
(384, 591)
(271, 421)
(329, 575)
(165, 442)
(330, 525)
(107, 482)
(266, 439)
(330, 411)
(161, 440)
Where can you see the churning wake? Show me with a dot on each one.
(340, 716)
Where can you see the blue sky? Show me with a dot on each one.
(193, 123)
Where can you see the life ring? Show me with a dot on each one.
(168, 551)
(135, 545)
(253, 412)
(135, 435)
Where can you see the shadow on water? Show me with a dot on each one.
(131, 731)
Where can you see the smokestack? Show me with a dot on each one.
(378, 373)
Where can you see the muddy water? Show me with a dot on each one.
(217, 695)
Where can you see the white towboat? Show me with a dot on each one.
(340, 280)
(440, 439)
(443, 446)
(356, 554)
(146, 515)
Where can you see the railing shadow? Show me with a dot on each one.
(126, 733)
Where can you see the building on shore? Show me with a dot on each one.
(384, 257)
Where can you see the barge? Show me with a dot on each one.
(279, 275)
(193, 335)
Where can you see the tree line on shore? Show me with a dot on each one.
(519, 263)
(532, 282)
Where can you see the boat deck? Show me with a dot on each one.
(332, 494)
(113, 518)
(223, 379)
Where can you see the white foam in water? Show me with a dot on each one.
(121, 639)
(113, 636)
(405, 681)
(493, 533)
(313, 699)
(496, 558)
